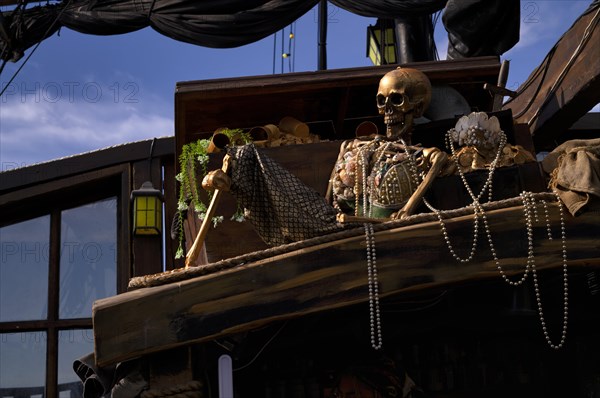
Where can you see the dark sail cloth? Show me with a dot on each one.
(476, 27)
(279, 205)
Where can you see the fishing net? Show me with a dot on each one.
(279, 205)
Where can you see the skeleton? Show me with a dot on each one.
(404, 94)
(378, 173)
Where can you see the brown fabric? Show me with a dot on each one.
(575, 172)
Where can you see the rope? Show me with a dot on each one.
(36, 47)
(354, 230)
(192, 389)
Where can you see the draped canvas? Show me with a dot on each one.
(208, 23)
(233, 23)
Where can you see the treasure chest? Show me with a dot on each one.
(334, 105)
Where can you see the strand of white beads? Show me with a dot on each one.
(373, 283)
(538, 293)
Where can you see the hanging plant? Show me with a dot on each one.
(193, 162)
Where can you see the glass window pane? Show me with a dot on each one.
(24, 270)
(72, 345)
(88, 266)
(22, 363)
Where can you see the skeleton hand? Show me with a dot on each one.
(216, 179)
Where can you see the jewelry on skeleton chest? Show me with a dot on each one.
(383, 181)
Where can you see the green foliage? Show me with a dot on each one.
(193, 162)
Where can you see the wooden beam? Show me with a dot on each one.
(15, 176)
(486, 67)
(310, 96)
(124, 249)
(324, 276)
(565, 86)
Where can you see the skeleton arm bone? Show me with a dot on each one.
(345, 218)
(220, 182)
(437, 160)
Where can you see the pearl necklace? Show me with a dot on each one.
(477, 209)
(530, 212)
(362, 161)
(373, 282)
(538, 295)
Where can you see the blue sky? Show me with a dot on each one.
(80, 92)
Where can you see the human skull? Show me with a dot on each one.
(404, 94)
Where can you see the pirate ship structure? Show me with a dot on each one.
(377, 307)
(414, 305)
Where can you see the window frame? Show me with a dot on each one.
(53, 198)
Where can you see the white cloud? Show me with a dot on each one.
(545, 21)
(37, 129)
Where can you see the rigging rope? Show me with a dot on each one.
(34, 48)
(288, 55)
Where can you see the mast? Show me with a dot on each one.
(322, 46)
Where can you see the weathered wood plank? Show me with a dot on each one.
(479, 66)
(322, 277)
(311, 96)
(72, 165)
(564, 86)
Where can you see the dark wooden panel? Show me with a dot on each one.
(124, 259)
(324, 276)
(437, 70)
(333, 95)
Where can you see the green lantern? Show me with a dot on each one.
(381, 43)
(147, 210)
